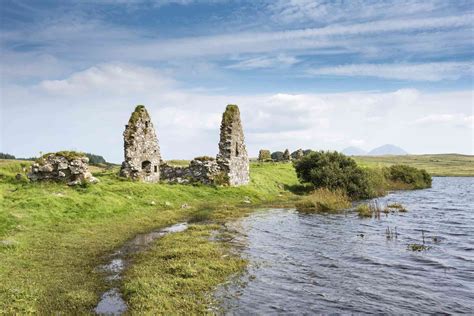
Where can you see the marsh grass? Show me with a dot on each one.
(324, 200)
(191, 266)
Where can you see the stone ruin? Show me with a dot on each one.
(141, 149)
(143, 161)
(232, 158)
(69, 167)
(264, 155)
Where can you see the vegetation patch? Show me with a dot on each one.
(324, 200)
(418, 247)
(191, 267)
(69, 155)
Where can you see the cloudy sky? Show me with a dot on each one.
(305, 73)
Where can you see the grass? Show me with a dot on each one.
(324, 200)
(52, 237)
(436, 165)
(190, 268)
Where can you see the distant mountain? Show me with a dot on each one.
(387, 150)
(353, 151)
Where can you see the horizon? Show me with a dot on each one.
(305, 74)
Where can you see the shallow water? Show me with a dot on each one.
(111, 302)
(310, 263)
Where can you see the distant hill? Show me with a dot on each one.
(387, 149)
(354, 151)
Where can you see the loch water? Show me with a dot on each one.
(340, 263)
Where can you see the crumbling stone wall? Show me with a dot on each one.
(141, 149)
(65, 166)
(232, 158)
(203, 169)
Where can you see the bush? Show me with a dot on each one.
(277, 156)
(415, 178)
(334, 171)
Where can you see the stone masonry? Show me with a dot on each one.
(67, 166)
(141, 149)
(232, 158)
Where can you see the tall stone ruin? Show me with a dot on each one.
(141, 149)
(232, 158)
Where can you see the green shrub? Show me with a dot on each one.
(415, 178)
(334, 171)
(277, 156)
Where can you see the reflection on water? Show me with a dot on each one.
(341, 263)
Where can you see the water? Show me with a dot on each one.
(310, 263)
(111, 302)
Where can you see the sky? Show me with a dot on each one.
(305, 74)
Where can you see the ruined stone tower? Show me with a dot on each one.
(141, 149)
(232, 158)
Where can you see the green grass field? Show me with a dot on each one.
(442, 165)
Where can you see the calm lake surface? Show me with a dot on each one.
(303, 264)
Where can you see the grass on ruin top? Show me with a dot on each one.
(231, 111)
(68, 154)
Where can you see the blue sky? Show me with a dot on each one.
(311, 74)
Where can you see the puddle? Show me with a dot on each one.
(111, 302)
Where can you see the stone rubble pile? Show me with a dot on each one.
(60, 168)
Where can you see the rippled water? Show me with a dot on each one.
(312, 263)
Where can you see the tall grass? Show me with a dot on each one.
(324, 200)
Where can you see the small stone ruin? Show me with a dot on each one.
(141, 149)
(232, 158)
(69, 167)
(143, 160)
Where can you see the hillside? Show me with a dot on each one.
(436, 165)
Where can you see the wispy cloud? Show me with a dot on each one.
(413, 72)
(279, 61)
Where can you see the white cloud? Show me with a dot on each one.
(415, 72)
(459, 119)
(88, 110)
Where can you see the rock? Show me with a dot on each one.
(69, 167)
(185, 205)
(152, 203)
(18, 176)
(46, 168)
(141, 149)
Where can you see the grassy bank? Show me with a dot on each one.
(52, 237)
(444, 165)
